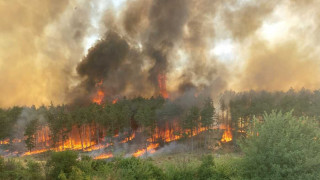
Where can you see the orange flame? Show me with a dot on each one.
(150, 149)
(162, 85)
(104, 156)
(34, 152)
(98, 98)
(133, 135)
(227, 135)
(6, 141)
(115, 101)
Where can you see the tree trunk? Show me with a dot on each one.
(146, 149)
(97, 131)
(90, 135)
(192, 140)
(80, 133)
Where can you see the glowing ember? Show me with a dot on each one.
(133, 135)
(104, 156)
(227, 135)
(99, 96)
(162, 85)
(6, 141)
(34, 152)
(115, 101)
(150, 149)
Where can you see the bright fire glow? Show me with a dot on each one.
(227, 135)
(150, 149)
(133, 135)
(34, 152)
(115, 101)
(99, 96)
(6, 141)
(104, 156)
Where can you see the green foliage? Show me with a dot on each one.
(181, 171)
(207, 169)
(282, 147)
(61, 162)
(14, 169)
(135, 168)
(229, 166)
(30, 131)
(207, 113)
(194, 171)
(8, 118)
(244, 105)
(191, 120)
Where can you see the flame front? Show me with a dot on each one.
(227, 135)
(99, 96)
(133, 135)
(104, 156)
(150, 149)
(91, 137)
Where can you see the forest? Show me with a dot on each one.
(107, 134)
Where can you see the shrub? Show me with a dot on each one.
(61, 162)
(282, 147)
(135, 168)
(34, 170)
(12, 169)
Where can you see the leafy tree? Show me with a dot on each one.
(135, 168)
(207, 169)
(282, 147)
(30, 131)
(207, 113)
(191, 121)
(61, 162)
(34, 170)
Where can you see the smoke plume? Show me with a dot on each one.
(60, 50)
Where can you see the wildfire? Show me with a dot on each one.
(104, 156)
(150, 149)
(34, 152)
(115, 100)
(90, 137)
(6, 141)
(99, 96)
(133, 135)
(227, 135)
(162, 85)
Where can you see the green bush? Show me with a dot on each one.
(181, 171)
(12, 169)
(61, 162)
(229, 166)
(34, 170)
(207, 169)
(282, 147)
(135, 168)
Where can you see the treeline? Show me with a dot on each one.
(282, 146)
(106, 120)
(243, 106)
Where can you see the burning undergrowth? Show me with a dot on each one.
(131, 127)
